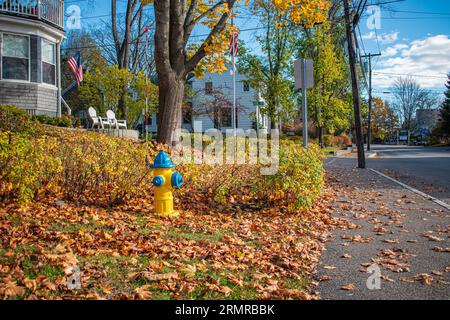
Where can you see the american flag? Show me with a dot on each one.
(77, 68)
(234, 44)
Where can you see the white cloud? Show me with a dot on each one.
(428, 60)
(384, 38)
(369, 36)
(387, 38)
(391, 51)
(394, 50)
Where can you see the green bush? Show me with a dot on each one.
(13, 119)
(26, 166)
(74, 164)
(76, 122)
(296, 186)
(96, 165)
(64, 122)
(336, 141)
(300, 178)
(90, 166)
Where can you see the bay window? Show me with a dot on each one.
(48, 62)
(15, 57)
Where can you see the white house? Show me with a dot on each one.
(31, 33)
(212, 104)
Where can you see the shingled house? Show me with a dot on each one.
(31, 32)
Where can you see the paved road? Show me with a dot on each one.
(426, 169)
(381, 223)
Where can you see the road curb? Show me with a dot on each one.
(426, 196)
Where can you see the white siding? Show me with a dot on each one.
(224, 82)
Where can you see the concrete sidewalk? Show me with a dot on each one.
(379, 222)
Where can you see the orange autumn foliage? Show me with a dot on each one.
(306, 12)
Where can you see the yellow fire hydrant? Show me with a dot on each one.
(165, 180)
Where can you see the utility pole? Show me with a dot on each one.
(369, 129)
(355, 85)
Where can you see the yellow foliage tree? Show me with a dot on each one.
(101, 89)
(328, 105)
(176, 56)
(384, 120)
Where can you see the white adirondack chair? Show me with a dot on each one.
(113, 122)
(95, 119)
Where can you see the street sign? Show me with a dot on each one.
(425, 132)
(298, 71)
(304, 79)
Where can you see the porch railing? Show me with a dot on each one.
(48, 10)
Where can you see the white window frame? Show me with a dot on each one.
(2, 55)
(42, 63)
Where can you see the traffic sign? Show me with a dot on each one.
(298, 71)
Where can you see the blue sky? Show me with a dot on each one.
(414, 40)
(413, 37)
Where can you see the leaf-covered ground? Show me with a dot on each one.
(127, 252)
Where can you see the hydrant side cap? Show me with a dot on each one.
(177, 180)
(158, 181)
(163, 161)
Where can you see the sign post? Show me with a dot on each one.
(304, 79)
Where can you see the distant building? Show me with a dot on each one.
(31, 33)
(203, 107)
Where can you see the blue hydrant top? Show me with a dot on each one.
(162, 161)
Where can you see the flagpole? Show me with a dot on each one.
(146, 88)
(233, 50)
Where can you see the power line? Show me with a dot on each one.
(419, 12)
(410, 75)
(369, 130)
(386, 2)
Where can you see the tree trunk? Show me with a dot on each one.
(321, 137)
(175, 21)
(273, 124)
(171, 93)
(122, 108)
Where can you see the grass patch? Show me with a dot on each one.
(52, 272)
(5, 258)
(328, 152)
(30, 270)
(144, 231)
(26, 249)
(74, 227)
(195, 236)
(246, 292)
(141, 221)
(297, 284)
(28, 267)
(16, 220)
(117, 268)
